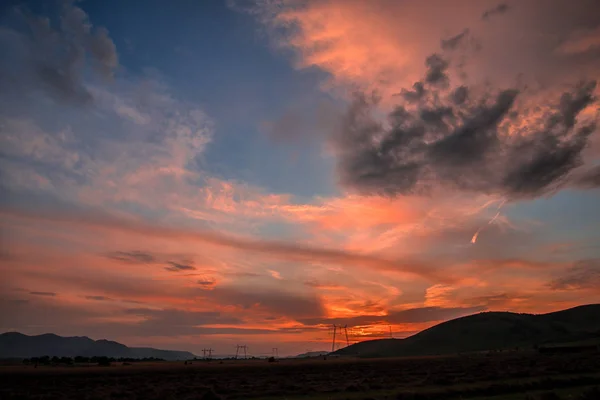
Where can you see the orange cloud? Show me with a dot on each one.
(382, 44)
(283, 250)
(371, 45)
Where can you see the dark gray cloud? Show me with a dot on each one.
(499, 9)
(144, 257)
(98, 298)
(206, 282)
(436, 70)
(582, 275)
(54, 55)
(133, 257)
(455, 41)
(411, 316)
(175, 267)
(414, 95)
(49, 294)
(541, 160)
(454, 138)
(460, 95)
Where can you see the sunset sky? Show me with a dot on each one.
(187, 174)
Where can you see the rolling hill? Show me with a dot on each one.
(18, 345)
(488, 331)
(310, 354)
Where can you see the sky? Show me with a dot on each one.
(192, 174)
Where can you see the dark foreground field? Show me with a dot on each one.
(497, 376)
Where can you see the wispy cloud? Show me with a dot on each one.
(499, 9)
(289, 251)
(179, 267)
(135, 257)
(50, 294)
(583, 275)
(98, 298)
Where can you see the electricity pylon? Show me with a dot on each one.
(240, 347)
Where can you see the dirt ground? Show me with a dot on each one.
(497, 376)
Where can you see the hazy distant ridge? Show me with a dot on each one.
(488, 331)
(18, 345)
(312, 354)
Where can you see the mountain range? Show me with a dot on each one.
(488, 331)
(18, 345)
(478, 332)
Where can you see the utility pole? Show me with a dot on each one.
(391, 336)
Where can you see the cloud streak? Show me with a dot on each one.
(499, 9)
(46, 294)
(176, 267)
(289, 251)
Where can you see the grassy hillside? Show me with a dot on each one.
(488, 331)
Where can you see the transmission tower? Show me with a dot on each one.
(241, 347)
(209, 351)
(333, 343)
(346, 331)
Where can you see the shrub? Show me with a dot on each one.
(104, 361)
(549, 396)
(592, 394)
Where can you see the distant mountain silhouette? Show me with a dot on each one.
(18, 345)
(488, 331)
(312, 354)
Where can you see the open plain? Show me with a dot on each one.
(508, 375)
